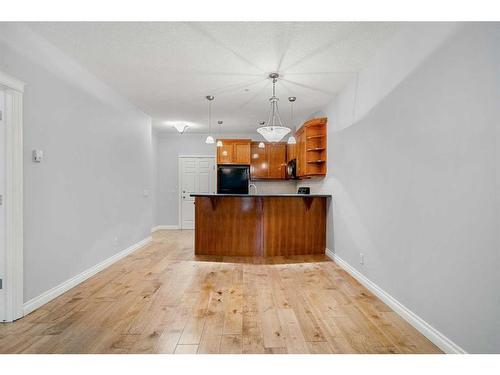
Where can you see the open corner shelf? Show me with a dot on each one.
(311, 148)
(316, 161)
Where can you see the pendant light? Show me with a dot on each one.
(219, 142)
(291, 139)
(274, 130)
(262, 144)
(210, 140)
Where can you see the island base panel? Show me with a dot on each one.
(230, 226)
(260, 226)
(294, 226)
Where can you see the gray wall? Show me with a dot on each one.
(98, 161)
(413, 166)
(416, 184)
(170, 146)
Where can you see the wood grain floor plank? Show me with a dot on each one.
(186, 349)
(231, 344)
(164, 299)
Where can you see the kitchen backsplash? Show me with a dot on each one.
(274, 187)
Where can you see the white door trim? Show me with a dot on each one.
(13, 283)
(197, 156)
(179, 181)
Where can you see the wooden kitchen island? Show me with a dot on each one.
(260, 225)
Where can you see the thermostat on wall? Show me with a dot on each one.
(37, 156)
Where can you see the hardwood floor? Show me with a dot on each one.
(163, 299)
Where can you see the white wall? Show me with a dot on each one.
(170, 146)
(2, 206)
(413, 167)
(154, 183)
(98, 161)
(416, 186)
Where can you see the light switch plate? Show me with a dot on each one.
(37, 156)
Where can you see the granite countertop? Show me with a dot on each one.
(264, 195)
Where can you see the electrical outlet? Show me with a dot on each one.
(115, 240)
(361, 258)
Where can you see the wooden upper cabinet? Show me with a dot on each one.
(268, 162)
(300, 152)
(234, 151)
(311, 148)
(291, 152)
(241, 152)
(259, 164)
(225, 153)
(276, 155)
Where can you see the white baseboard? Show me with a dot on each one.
(164, 227)
(56, 291)
(436, 337)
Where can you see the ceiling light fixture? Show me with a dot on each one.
(274, 130)
(219, 142)
(180, 127)
(291, 139)
(262, 144)
(210, 140)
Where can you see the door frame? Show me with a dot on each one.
(13, 283)
(179, 181)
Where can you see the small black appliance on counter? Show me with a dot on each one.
(304, 190)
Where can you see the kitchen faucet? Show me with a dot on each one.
(249, 185)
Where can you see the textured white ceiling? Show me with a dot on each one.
(167, 68)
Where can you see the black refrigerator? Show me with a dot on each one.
(233, 179)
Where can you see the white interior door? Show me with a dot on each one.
(2, 206)
(197, 175)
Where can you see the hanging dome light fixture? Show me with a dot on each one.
(219, 141)
(274, 130)
(262, 144)
(291, 139)
(210, 140)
